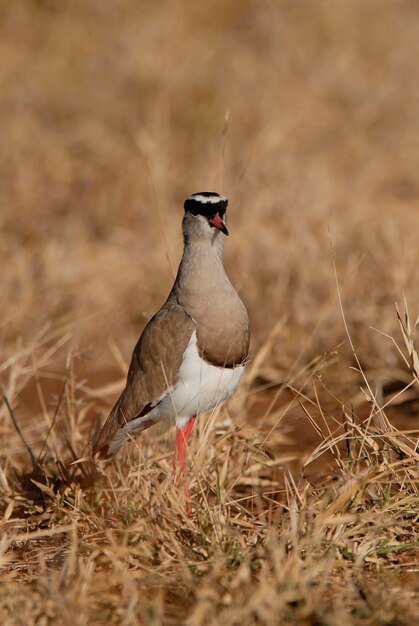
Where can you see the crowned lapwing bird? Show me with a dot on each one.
(192, 354)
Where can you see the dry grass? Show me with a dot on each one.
(304, 488)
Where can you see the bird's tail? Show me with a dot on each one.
(106, 440)
(102, 435)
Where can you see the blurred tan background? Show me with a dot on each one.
(304, 113)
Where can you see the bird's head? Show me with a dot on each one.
(205, 214)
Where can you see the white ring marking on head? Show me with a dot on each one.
(207, 199)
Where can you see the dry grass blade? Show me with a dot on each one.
(409, 338)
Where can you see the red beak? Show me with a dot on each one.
(218, 223)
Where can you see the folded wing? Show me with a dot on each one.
(154, 365)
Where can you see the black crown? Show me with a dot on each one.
(206, 203)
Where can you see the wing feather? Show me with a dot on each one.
(154, 365)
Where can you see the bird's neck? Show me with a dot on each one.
(201, 265)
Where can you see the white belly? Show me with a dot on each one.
(199, 387)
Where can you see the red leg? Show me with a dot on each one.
(188, 427)
(182, 436)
